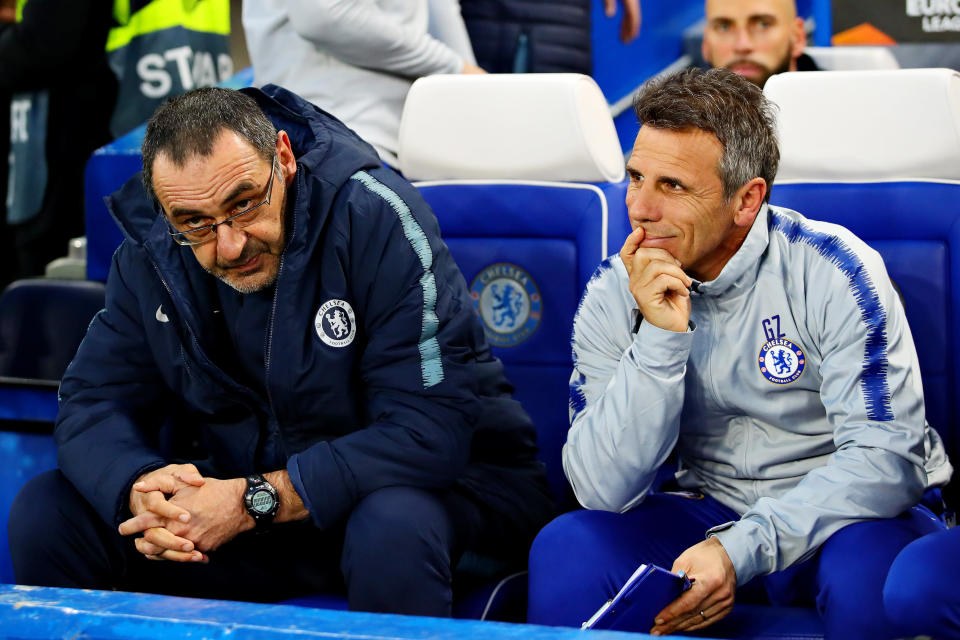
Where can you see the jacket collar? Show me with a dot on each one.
(327, 153)
(741, 270)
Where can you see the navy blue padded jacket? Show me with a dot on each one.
(416, 399)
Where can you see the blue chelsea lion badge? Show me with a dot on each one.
(781, 361)
(508, 302)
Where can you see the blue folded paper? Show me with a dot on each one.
(644, 595)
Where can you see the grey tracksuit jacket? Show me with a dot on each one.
(795, 397)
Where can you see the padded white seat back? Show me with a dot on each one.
(852, 58)
(553, 126)
(868, 125)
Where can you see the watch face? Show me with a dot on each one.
(262, 501)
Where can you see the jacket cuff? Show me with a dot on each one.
(660, 351)
(743, 544)
(293, 470)
(325, 492)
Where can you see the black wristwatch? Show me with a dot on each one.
(261, 500)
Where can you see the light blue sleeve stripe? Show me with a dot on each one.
(431, 365)
(873, 380)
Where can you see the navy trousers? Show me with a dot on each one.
(582, 558)
(394, 553)
(921, 594)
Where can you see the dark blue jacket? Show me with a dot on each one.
(530, 36)
(416, 399)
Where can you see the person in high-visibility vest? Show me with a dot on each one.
(162, 48)
(60, 92)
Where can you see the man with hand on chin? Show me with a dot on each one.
(288, 347)
(772, 352)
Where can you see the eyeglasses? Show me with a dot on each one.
(186, 234)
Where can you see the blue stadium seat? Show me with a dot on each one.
(41, 325)
(522, 172)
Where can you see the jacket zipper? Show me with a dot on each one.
(274, 422)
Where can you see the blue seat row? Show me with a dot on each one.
(527, 244)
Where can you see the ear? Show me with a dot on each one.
(748, 200)
(288, 162)
(798, 41)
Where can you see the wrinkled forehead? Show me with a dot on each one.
(683, 151)
(743, 9)
(231, 161)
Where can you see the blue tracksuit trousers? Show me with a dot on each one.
(921, 594)
(582, 558)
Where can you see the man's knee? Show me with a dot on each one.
(854, 563)
(31, 525)
(399, 522)
(43, 523)
(397, 553)
(574, 568)
(919, 595)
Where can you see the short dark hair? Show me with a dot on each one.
(187, 125)
(725, 104)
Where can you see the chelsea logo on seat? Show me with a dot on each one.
(509, 303)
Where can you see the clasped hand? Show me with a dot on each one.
(658, 283)
(182, 515)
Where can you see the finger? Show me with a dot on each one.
(177, 556)
(632, 241)
(710, 609)
(674, 285)
(710, 615)
(629, 249)
(163, 538)
(157, 503)
(630, 25)
(180, 556)
(656, 268)
(161, 483)
(645, 255)
(148, 548)
(140, 523)
(610, 8)
(687, 602)
(190, 477)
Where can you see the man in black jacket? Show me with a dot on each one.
(287, 301)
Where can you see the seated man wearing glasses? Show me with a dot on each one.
(287, 348)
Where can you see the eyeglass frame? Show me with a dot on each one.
(182, 237)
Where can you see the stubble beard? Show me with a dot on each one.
(259, 280)
(766, 72)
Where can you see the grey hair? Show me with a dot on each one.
(189, 124)
(723, 103)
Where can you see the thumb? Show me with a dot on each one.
(634, 240)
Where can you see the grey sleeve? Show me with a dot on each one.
(361, 33)
(872, 393)
(626, 396)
